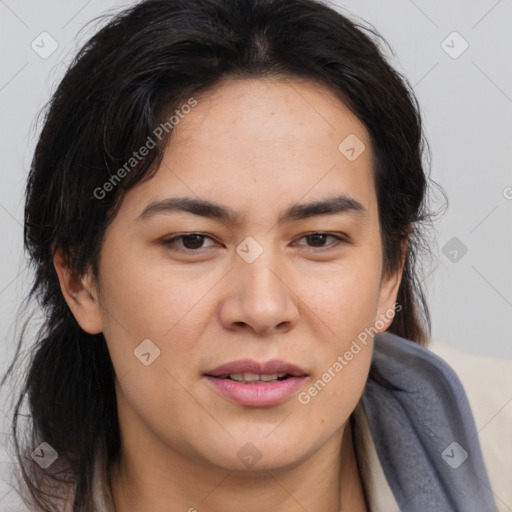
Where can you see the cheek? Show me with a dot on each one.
(149, 300)
(346, 298)
(344, 382)
(346, 305)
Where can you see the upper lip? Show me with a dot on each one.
(248, 366)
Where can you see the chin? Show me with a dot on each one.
(262, 453)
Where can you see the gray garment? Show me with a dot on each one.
(424, 431)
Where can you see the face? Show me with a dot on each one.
(272, 290)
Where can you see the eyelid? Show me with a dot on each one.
(341, 239)
(170, 241)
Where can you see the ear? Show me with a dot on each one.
(388, 293)
(80, 294)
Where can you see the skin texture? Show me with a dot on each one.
(257, 146)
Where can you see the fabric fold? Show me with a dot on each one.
(424, 431)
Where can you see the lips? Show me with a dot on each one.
(246, 366)
(255, 377)
(254, 384)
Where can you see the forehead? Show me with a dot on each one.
(282, 110)
(267, 142)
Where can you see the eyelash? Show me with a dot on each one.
(171, 241)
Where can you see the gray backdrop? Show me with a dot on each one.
(456, 54)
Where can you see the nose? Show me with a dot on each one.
(260, 298)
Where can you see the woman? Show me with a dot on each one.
(224, 214)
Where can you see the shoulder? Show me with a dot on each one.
(487, 382)
(424, 430)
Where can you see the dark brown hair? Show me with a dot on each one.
(123, 83)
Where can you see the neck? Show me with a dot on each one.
(326, 481)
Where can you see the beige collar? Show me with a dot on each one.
(379, 494)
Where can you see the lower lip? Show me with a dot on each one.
(264, 394)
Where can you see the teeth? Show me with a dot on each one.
(266, 378)
(251, 377)
(254, 377)
(236, 376)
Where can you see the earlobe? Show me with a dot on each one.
(388, 295)
(80, 295)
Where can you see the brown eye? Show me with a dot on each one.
(318, 240)
(191, 242)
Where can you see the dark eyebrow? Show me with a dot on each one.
(204, 208)
(329, 206)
